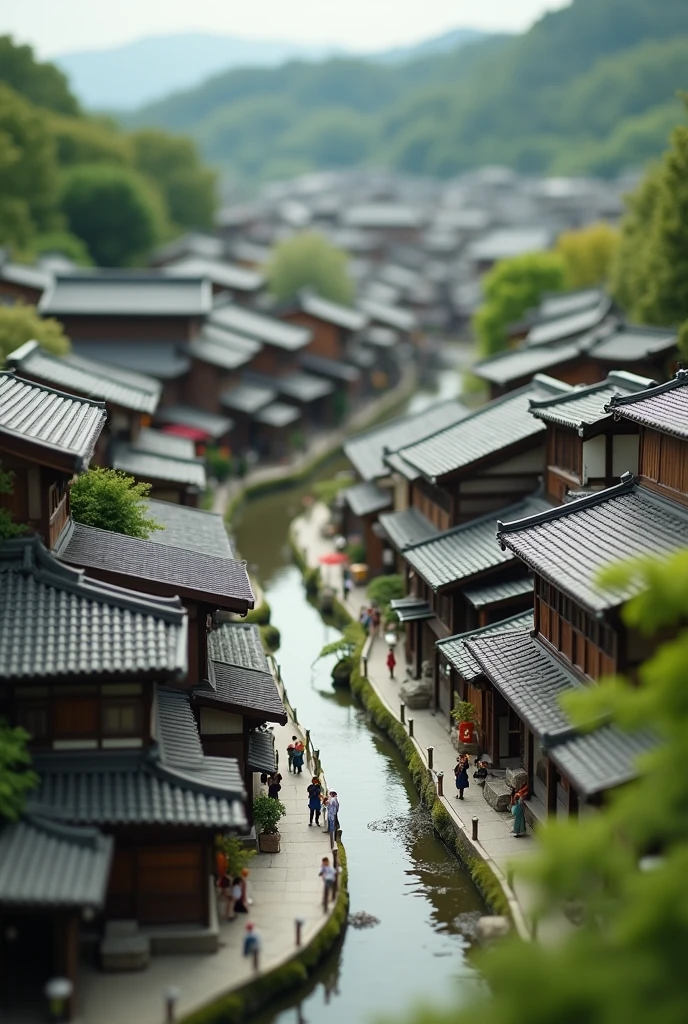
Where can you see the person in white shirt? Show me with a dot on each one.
(328, 875)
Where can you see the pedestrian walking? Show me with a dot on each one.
(252, 943)
(375, 620)
(461, 776)
(328, 875)
(364, 618)
(224, 892)
(290, 752)
(347, 584)
(297, 757)
(519, 815)
(274, 785)
(332, 812)
(239, 896)
(391, 662)
(314, 801)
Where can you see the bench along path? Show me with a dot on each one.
(284, 886)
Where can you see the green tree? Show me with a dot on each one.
(115, 210)
(86, 140)
(28, 170)
(43, 84)
(64, 243)
(16, 777)
(189, 188)
(310, 261)
(8, 528)
(113, 501)
(589, 254)
(628, 951)
(19, 324)
(629, 279)
(511, 288)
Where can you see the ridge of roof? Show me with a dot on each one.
(680, 380)
(52, 391)
(627, 484)
(486, 518)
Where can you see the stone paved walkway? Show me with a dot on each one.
(283, 886)
(496, 844)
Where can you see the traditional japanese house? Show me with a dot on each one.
(578, 635)
(403, 321)
(392, 222)
(195, 424)
(130, 398)
(218, 357)
(585, 447)
(46, 438)
(556, 305)
(118, 759)
(648, 351)
(21, 283)
(171, 477)
(229, 280)
(140, 320)
(193, 244)
(504, 243)
(281, 343)
(507, 371)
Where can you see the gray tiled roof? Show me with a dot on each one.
(329, 367)
(60, 424)
(238, 643)
(56, 622)
(215, 579)
(119, 293)
(29, 277)
(87, 377)
(406, 527)
(194, 529)
(621, 343)
(553, 306)
(147, 466)
(250, 691)
(278, 414)
(193, 243)
(366, 451)
(159, 442)
(467, 550)
(301, 387)
(198, 419)
(412, 609)
(390, 316)
(480, 597)
(137, 788)
(586, 408)
(223, 348)
(383, 215)
(571, 326)
(366, 498)
(663, 408)
(398, 464)
(264, 328)
(503, 243)
(530, 679)
(160, 359)
(571, 545)
(247, 398)
(488, 431)
(457, 654)
(523, 362)
(261, 752)
(221, 273)
(332, 312)
(176, 731)
(600, 760)
(79, 864)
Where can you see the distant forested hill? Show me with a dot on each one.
(590, 88)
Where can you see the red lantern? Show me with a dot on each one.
(466, 732)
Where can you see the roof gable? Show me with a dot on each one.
(663, 407)
(586, 408)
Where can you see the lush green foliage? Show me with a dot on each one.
(19, 324)
(352, 637)
(588, 254)
(65, 244)
(511, 288)
(651, 275)
(309, 261)
(463, 710)
(267, 813)
(8, 528)
(271, 637)
(111, 500)
(47, 144)
(16, 777)
(238, 855)
(260, 614)
(385, 589)
(627, 951)
(590, 87)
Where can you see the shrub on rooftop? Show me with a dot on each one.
(111, 500)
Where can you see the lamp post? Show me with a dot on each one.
(58, 992)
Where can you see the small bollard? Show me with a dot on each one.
(293, 711)
(171, 1000)
(410, 725)
(299, 923)
(337, 835)
(402, 712)
(256, 960)
(474, 823)
(431, 753)
(440, 783)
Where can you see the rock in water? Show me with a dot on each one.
(362, 920)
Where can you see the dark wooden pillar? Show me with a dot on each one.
(573, 802)
(66, 952)
(551, 788)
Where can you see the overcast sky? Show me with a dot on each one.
(60, 26)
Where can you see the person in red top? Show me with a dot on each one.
(391, 663)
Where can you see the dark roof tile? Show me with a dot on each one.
(364, 499)
(250, 691)
(148, 466)
(407, 527)
(585, 408)
(663, 408)
(238, 643)
(267, 329)
(457, 654)
(193, 529)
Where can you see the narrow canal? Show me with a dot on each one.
(398, 870)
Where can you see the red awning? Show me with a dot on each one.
(192, 433)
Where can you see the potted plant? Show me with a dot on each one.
(464, 714)
(266, 814)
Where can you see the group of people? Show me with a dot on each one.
(234, 894)
(295, 755)
(323, 803)
(517, 797)
(371, 619)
